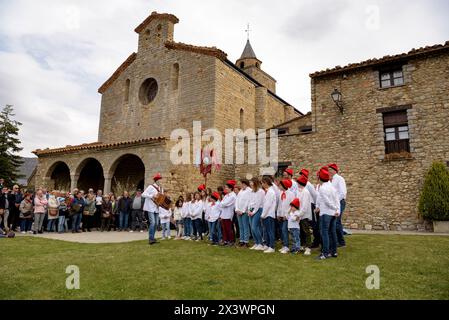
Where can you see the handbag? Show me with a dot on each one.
(106, 215)
(86, 212)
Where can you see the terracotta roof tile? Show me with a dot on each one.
(94, 145)
(117, 73)
(154, 15)
(386, 59)
(210, 51)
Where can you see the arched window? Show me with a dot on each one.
(175, 76)
(242, 125)
(242, 65)
(127, 84)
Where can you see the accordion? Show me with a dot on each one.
(162, 201)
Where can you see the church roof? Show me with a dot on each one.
(153, 16)
(210, 51)
(386, 59)
(94, 145)
(117, 73)
(248, 52)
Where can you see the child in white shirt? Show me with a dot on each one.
(165, 216)
(293, 225)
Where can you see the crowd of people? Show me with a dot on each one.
(302, 216)
(298, 214)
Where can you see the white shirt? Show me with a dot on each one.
(242, 201)
(185, 210)
(213, 211)
(149, 195)
(256, 200)
(164, 215)
(327, 200)
(339, 183)
(227, 206)
(294, 187)
(305, 199)
(277, 191)
(269, 204)
(284, 205)
(293, 219)
(313, 192)
(177, 214)
(196, 209)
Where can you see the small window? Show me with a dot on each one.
(396, 132)
(391, 78)
(127, 84)
(242, 65)
(242, 124)
(305, 129)
(175, 76)
(282, 131)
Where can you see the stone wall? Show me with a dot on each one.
(382, 194)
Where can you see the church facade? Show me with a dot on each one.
(389, 125)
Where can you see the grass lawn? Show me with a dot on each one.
(412, 267)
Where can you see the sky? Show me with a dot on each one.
(55, 54)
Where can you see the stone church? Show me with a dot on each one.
(387, 124)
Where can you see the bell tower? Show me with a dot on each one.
(155, 30)
(251, 65)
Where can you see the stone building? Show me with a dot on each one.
(390, 125)
(393, 125)
(166, 85)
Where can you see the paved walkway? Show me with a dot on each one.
(119, 237)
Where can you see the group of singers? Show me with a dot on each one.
(302, 215)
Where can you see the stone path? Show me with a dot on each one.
(119, 237)
(96, 237)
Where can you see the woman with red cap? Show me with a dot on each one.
(212, 214)
(329, 208)
(151, 207)
(285, 198)
(227, 206)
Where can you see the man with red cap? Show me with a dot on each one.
(305, 214)
(288, 174)
(328, 207)
(227, 206)
(339, 184)
(151, 207)
(285, 198)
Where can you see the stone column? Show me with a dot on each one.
(73, 181)
(107, 184)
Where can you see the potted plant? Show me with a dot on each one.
(434, 201)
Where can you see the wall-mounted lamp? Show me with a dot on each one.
(337, 98)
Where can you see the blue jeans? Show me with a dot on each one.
(25, 225)
(296, 240)
(268, 223)
(51, 225)
(328, 234)
(213, 232)
(62, 224)
(153, 217)
(243, 221)
(187, 227)
(197, 228)
(165, 229)
(76, 220)
(123, 224)
(284, 232)
(256, 227)
(340, 235)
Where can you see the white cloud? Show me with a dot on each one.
(55, 54)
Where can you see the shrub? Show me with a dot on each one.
(434, 201)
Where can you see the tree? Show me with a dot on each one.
(434, 201)
(10, 161)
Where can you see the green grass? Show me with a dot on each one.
(412, 267)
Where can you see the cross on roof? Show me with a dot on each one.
(248, 30)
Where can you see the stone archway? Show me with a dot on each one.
(90, 173)
(128, 173)
(58, 176)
